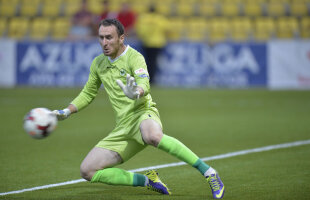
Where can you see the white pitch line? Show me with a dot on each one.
(217, 157)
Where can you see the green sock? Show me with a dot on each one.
(116, 176)
(176, 148)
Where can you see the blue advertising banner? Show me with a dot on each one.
(56, 63)
(182, 64)
(222, 65)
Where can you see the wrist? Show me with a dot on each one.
(141, 91)
(67, 111)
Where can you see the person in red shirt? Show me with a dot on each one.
(128, 18)
(107, 14)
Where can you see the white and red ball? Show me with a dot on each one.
(40, 122)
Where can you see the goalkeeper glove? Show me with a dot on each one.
(62, 114)
(130, 89)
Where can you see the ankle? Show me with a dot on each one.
(209, 172)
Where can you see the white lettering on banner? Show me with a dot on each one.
(221, 58)
(51, 80)
(52, 51)
(246, 60)
(59, 57)
(32, 59)
(84, 56)
(41, 79)
(221, 63)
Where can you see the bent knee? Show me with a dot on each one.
(86, 172)
(151, 132)
(153, 138)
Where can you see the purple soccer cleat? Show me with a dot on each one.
(216, 186)
(155, 183)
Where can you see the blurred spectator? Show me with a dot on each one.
(128, 18)
(152, 29)
(82, 23)
(107, 14)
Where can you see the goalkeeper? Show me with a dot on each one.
(123, 72)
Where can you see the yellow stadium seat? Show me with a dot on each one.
(276, 9)
(163, 8)
(71, 7)
(241, 28)
(230, 9)
(196, 29)
(29, 8)
(8, 8)
(51, 8)
(207, 9)
(115, 6)
(138, 7)
(300, 1)
(264, 28)
(184, 8)
(176, 29)
(3, 26)
(279, 1)
(299, 9)
(219, 29)
(40, 28)
(255, 1)
(305, 27)
(287, 27)
(18, 27)
(253, 9)
(60, 28)
(200, 2)
(95, 6)
(233, 1)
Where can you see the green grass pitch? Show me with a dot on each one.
(210, 122)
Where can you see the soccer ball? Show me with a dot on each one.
(40, 122)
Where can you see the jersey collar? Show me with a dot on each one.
(115, 59)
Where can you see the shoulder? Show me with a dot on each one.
(133, 53)
(99, 59)
(99, 63)
(135, 59)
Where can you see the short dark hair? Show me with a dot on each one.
(109, 22)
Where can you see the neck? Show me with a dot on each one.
(119, 52)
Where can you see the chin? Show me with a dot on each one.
(106, 54)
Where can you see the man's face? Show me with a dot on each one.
(110, 41)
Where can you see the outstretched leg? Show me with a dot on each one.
(152, 134)
(98, 167)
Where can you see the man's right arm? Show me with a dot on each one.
(85, 97)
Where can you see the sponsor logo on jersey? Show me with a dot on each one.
(139, 71)
(122, 72)
(143, 76)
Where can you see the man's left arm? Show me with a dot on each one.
(137, 84)
(140, 73)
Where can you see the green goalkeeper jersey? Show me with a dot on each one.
(106, 71)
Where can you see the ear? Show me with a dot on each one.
(122, 38)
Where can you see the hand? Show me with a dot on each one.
(62, 114)
(131, 88)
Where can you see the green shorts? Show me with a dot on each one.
(126, 138)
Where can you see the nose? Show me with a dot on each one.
(104, 41)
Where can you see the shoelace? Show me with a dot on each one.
(214, 183)
(152, 175)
